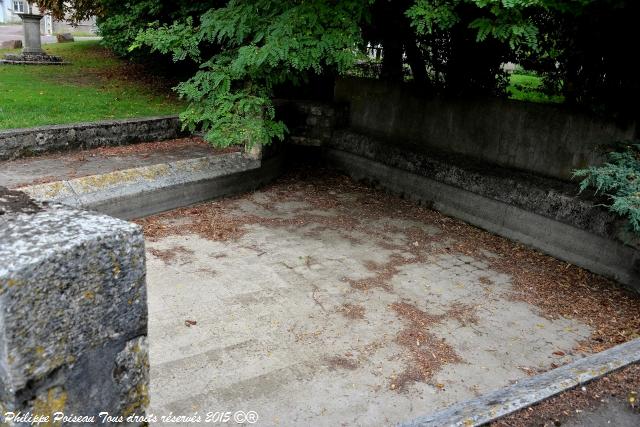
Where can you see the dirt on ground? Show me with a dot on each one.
(140, 149)
(428, 353)
(621, 387)
(170, 255)
(16, 202)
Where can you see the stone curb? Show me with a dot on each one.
(25, 142)
(11, 62)
(138, 192)
(497, 404)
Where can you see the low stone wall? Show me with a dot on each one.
(544, 139)
(16, 143)
(310, 123)
(73, 313)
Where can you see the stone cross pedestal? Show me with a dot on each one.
(31, 28)
(32, 52)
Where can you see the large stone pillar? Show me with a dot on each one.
(31, 29)
(73, 314)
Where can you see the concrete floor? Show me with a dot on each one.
(308, 316)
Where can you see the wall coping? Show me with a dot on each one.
(25, 142)
(80, 125)
(551, 198)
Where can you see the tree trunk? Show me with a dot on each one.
(416, 62)
(392, 60)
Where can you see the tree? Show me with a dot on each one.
(260, 44)
(74, 11)
(238, 52)
(584, 52)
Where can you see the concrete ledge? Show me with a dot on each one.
(73, 311)
(597, 253)
(548, 197)
(532, 390)
(134, 193)
(16, 143)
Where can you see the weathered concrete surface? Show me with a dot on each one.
(73, 313)
(16, 143)
(272, 334)
(137, 192)
(32, 59)
(541, 213)
(548, 197)
(65, 166)
(499, 403)
(543, 139)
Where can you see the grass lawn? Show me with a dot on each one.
(524, 87)
(96, 86)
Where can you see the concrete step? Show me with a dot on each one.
(79, 163)
(135, 181)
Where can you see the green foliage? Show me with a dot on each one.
(428, 16)
(526, 86)
(508, 21)
(120, 22)
(583, 51)
(260, 44)
(121, 29)
(619, 180)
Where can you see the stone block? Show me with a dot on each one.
(64, 38)
(11, 44)
(73, 313)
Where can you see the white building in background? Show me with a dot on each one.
(9, 10)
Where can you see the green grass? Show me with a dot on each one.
(97, 86)
(525, 87)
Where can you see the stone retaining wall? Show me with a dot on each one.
(16, 143)
(73, 312)
(544, 139)
(310, 123)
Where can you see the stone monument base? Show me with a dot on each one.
(32, 59)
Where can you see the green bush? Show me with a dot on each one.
(619, 180)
